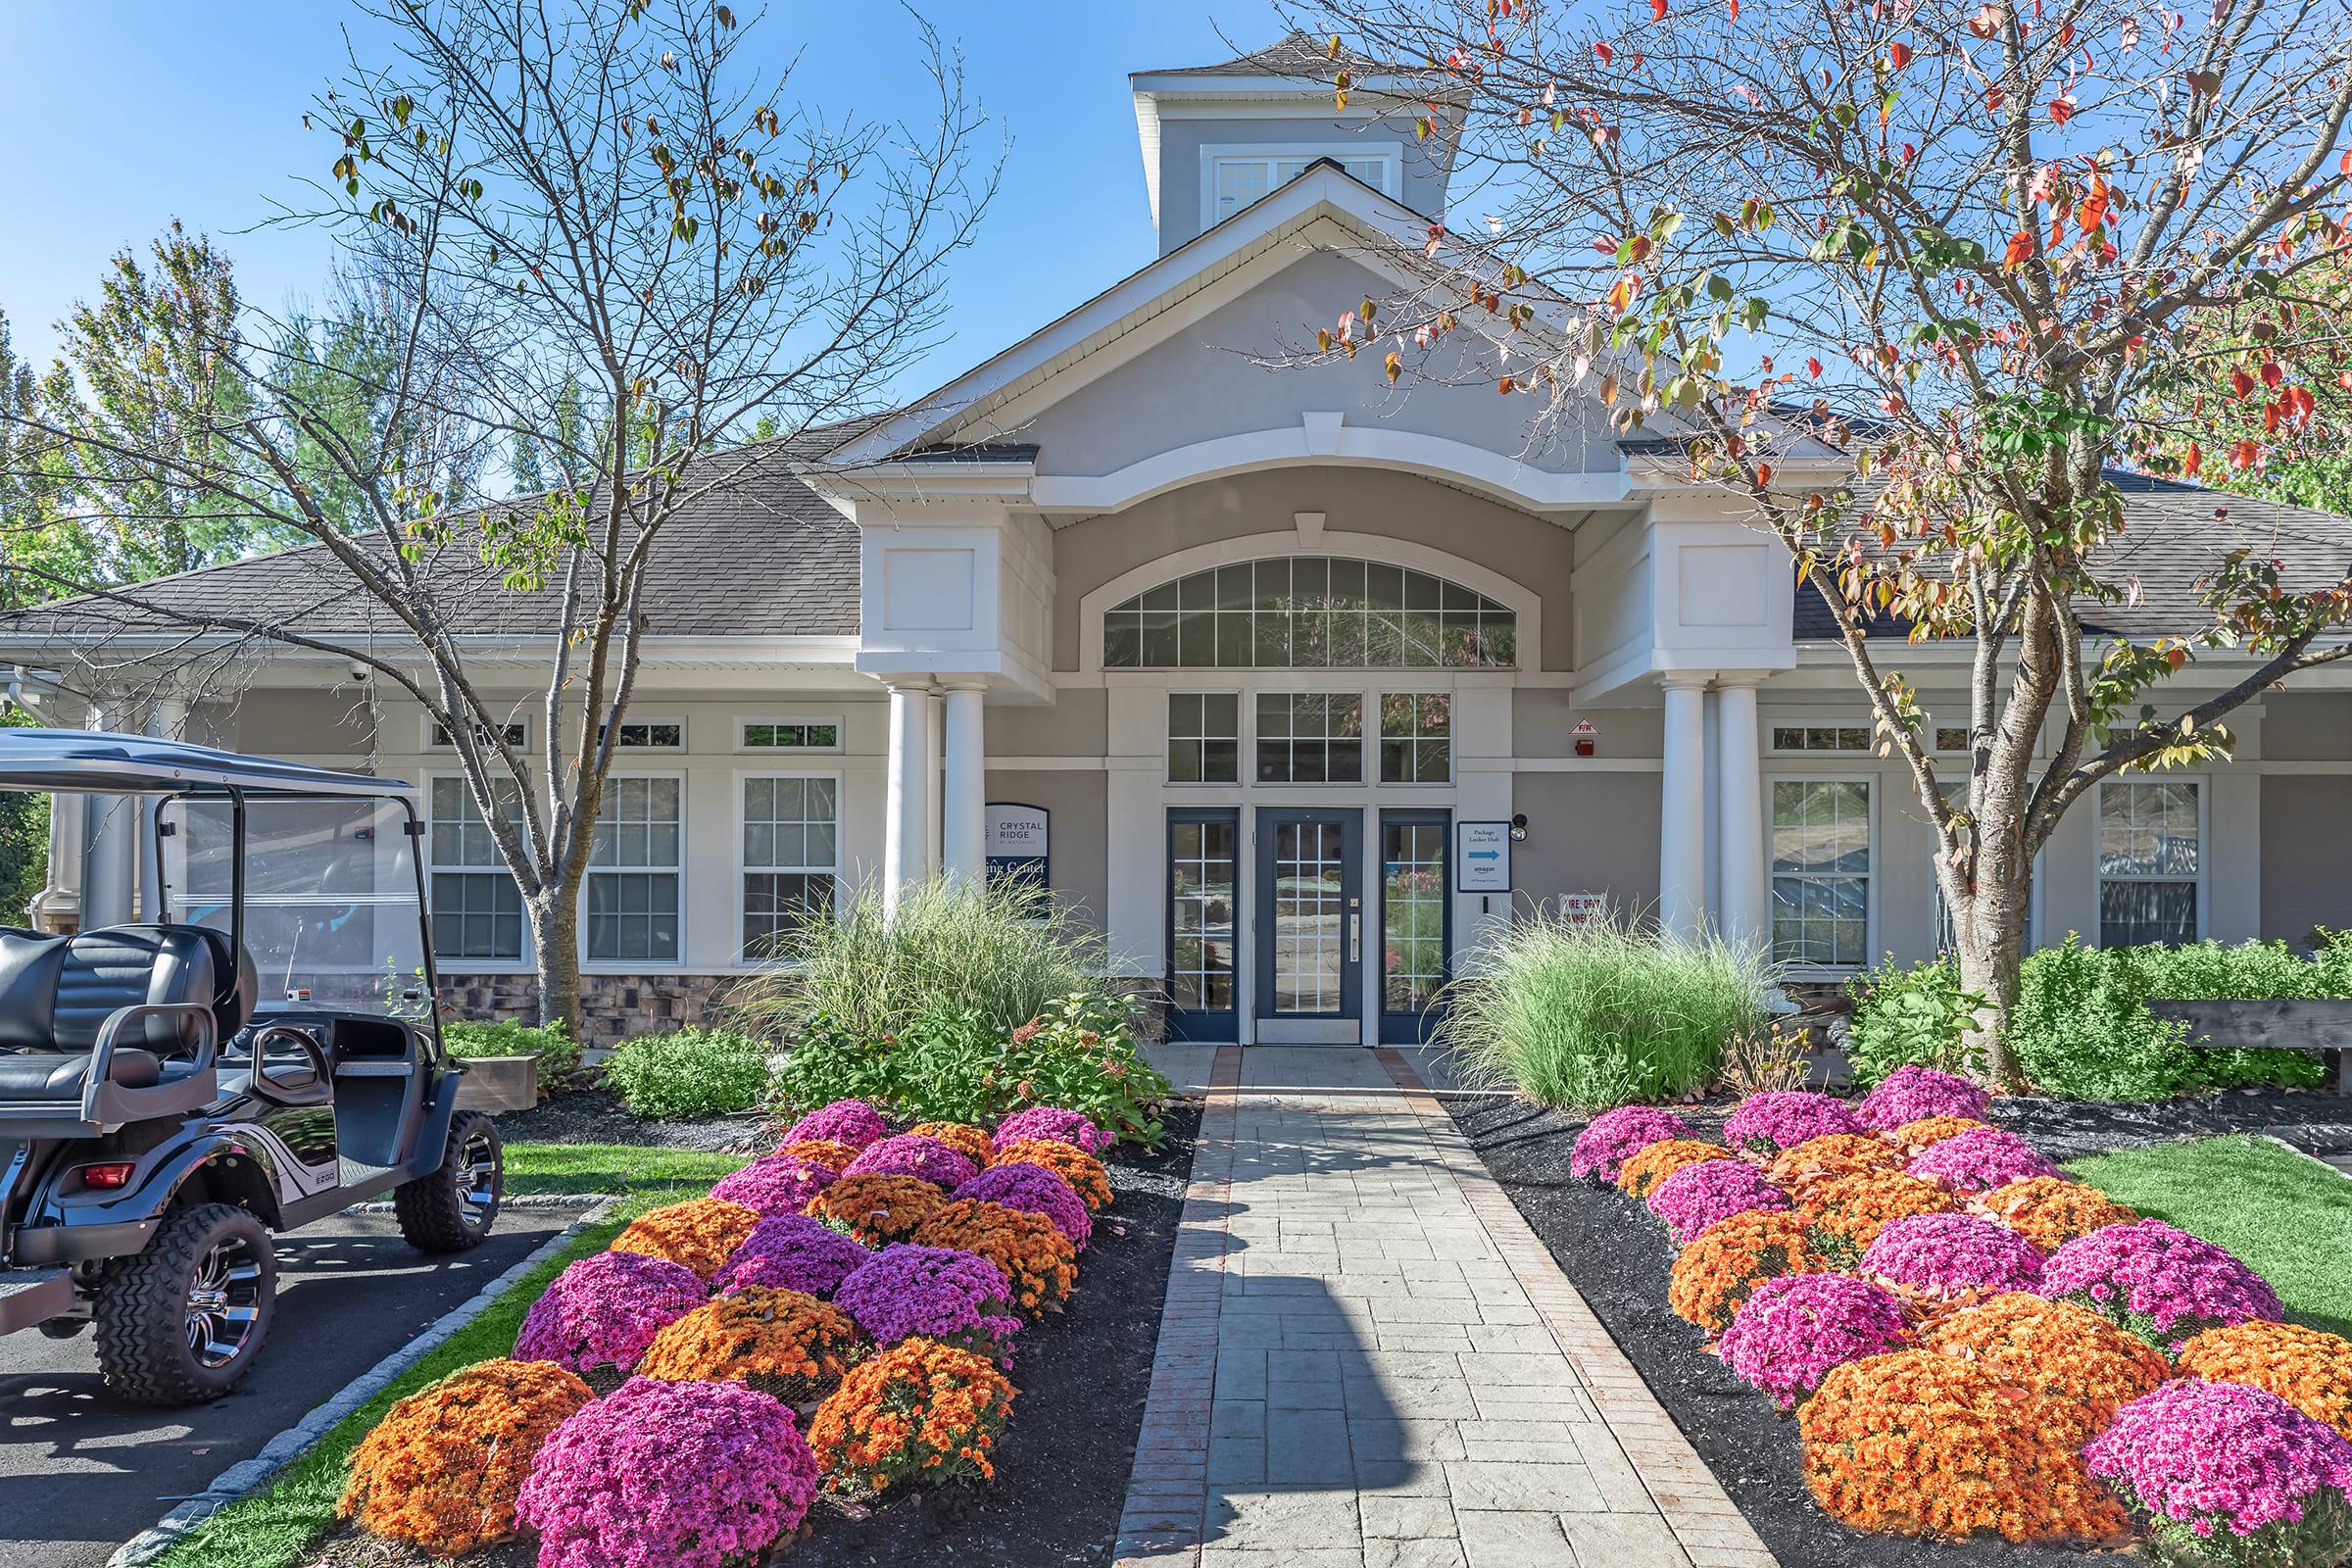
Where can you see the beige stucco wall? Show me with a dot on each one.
(1076, 724)
(2307, 726)
(2306, 852)
(1543, 720)
(1588, 832)
(1078, 825)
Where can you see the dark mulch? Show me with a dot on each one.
(1618, 1257)
(597, 1116)
(1062, 1466)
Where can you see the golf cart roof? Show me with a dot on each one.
(93, 761)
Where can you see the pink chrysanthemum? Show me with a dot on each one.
(1614, 1137)
(1051, 1121)
(793, 1252)
(1951, 1255)
(1793, 1331)
(780, 1184)
(605, 1310)
(1913, 1094)
(1038, 1191)
(913, 1154)
(1980, 1161)
(844, 1121)
(2217, 1462)
(2162, 1283)
(1782, 1117)
(1698, 1194)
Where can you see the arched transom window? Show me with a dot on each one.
(1309, 612)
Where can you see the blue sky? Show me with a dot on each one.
(122, 117)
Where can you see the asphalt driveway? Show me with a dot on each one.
(81, 1472)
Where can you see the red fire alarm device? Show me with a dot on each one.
(1587, 736)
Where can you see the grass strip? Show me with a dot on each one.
(666, 1175)
(2286, 1216)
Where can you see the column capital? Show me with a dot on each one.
(1685, 680)
(962, 683)
(921, 684)
(1748, 679)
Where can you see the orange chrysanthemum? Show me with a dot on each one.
(877, 1210)
(1920, 1444)
(700, 1233)
(1913, 1136)
(2050, 1210)
(2308, 1370)
(919, 1413)
(2086, 1366)
(440, 1472)
(1714, 1275)
(829, 1153)
(1641, 1172)
(788, 1345)
(1082, 1170)
(1844, 1214)
(1029, 1248)
(972, 1143)
(1832, 1154)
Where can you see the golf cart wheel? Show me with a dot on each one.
(453, 1209)
(183, 1321)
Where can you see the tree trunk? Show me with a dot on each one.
(1989, 930)
(556, 938)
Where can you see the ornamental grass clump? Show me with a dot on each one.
(780, 1184)
(1033, 1252)
(955, 1297)
(1914, 1093)
(972, 1142)
(605, 1310)
(2162, 1283)
(1928, 1131)
(786, 1344)
(1918, 1444)
(2051, 1212)
(1699, 1194)
(1980, 1161)
(919, 1414)
(1639, 1176)
(793, 1252)
(1832, 1154)
(1951, 1258)
(1613, 1137)
(877, 1210)
(685, 1475)
(442, 1469)
(829, 1153)
(912, 1154)
(1082, 1170)
(1844, 1214)
(700, 1233)
(2308, 1370)
(2226, 1474)
(1791, 1332)
(1714, 1275)
(1782, 1118)
(2084, 1364)
(844, 1121)
(1048, 1121)
(1037, 1189)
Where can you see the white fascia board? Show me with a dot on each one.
(898, 484)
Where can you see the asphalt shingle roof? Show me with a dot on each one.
(1299, 54)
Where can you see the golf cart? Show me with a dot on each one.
(158, 1119)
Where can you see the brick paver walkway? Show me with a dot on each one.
(1368, 1360)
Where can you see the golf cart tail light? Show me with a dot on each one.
(106, 1176)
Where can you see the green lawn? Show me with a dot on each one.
(2289, 1217)
(665, 1174)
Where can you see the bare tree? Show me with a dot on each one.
(591, 245)
(1907, 281)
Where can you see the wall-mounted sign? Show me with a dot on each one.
(1582, 909)
(1482, 857)
(1587, 736)
(1017, 841)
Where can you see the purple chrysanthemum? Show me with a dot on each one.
(2162, 1283)
(1981, 1160)
(844, 1121)
(1782, 1117)
(780, 1184)
(605, 1310)
(1614, 1137)
(1793, 1331)
(1912, 1094)
(1038, 1191)
(1950, 1256)
(958, 1298)
(793, 1252)
(913, 1154)
(1699, 1194)
(1051, 1121)
(2206, 1458)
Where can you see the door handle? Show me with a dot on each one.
(1355, 937)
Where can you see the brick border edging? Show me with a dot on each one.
(1165, 1514)
(1704, 1519)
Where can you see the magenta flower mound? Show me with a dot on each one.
(1980, 1161)
(1614, 1137)
(2206, 1459)
(913, 1154)
(693, 1473)
(793, 1252)
(844, 1121)
(1782, 1117)
(1793, 1331)
(605, 1310)
(1913, 1094)
(958, 1298)
(780, 1184)
(1049, 1121)
(2162, 1283)
(1038, 1191)
(1950, 1256)
(1698, 1194)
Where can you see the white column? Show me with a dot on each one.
(1739, 798)
(934, 775)
(1683, 814)
(111, 822)
(963, 802)
(906, 832)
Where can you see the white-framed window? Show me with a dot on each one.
(2151, 859)
(1234, 178)
(649, 734)
(1822, 850)
(788, 734)
(1204, 737)
(516, 731)
(1310, 738)
(1416, 738)
(477, 907)
(1852, 740)
(791, 854)
(635, 908)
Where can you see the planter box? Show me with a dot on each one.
(495, 1084)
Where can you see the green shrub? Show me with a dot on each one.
(1595, 1013)
(1905, 1017)
(695, 1073)
(557, 1053)
(1005, 952)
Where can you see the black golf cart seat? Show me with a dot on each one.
(57, 993)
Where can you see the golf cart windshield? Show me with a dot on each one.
(332, 914)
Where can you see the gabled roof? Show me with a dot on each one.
(1300, 54)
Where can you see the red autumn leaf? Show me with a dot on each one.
(1657, 10)
(1899, 54)
(2062, 108)
(1505, 386)
(2243, 454)
(2196, 459)
(2241, 383)
(1993, 99)
(1734, 10)
(1605, 53)
(1813, 365)
(2272, 372)
(2020, 249)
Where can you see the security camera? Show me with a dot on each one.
(358, 671)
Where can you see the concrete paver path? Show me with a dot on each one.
(1368, 1360)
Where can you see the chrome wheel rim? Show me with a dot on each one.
(477, 1179)
(225, 1303)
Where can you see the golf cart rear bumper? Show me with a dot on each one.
(27, 1298)
(39, 1245)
